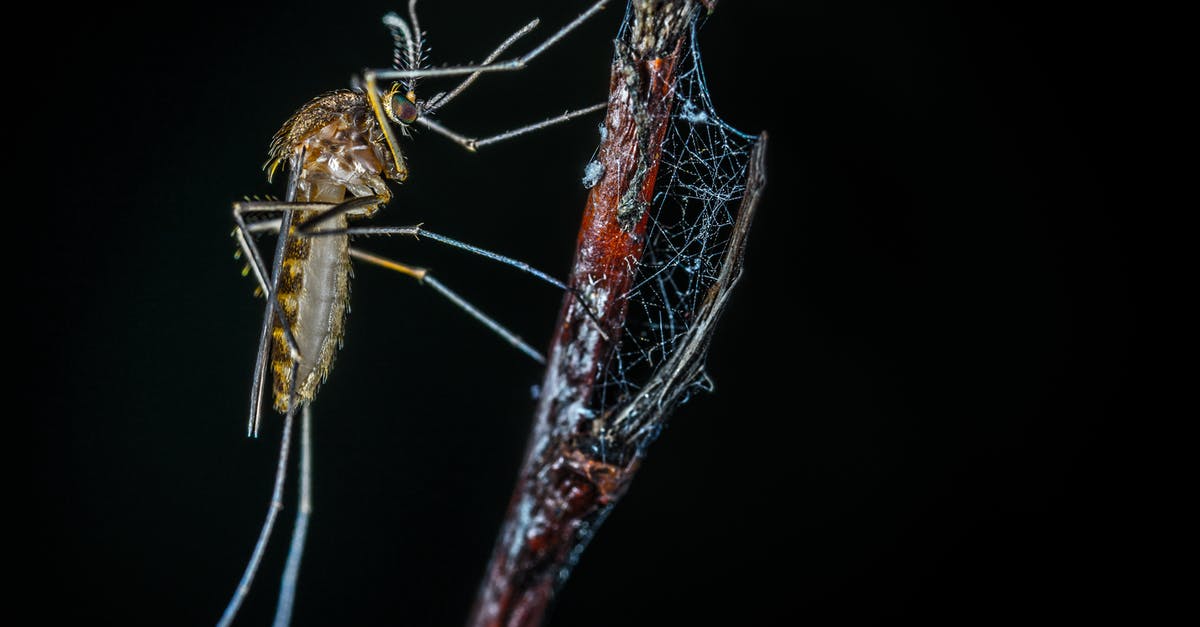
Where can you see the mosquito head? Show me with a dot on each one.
(401, 108)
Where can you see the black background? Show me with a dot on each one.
(913, 381)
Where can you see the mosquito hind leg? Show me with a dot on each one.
(425, 278)
(291, 572)
(276, 504)
(418, 231)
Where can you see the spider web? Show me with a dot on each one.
(701, 181)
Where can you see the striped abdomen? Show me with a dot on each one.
(314, 290)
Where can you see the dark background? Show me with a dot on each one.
(913, 382)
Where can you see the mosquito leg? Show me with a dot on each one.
(260, 546)
(500, 66)
(261, 355)
(255, 257)
(244, 229)
(417, 231)
(520, 265)
(471, 143)
(327, 211)
(260, 375)
(272, 310)
(437, 102)
(244, 245)
(291, 572)
(370, 203)
(422, 275)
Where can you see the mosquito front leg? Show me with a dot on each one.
(326, 211)
(381, 117)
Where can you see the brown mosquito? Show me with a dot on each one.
(340, 150)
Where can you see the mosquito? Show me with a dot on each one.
(340, 150)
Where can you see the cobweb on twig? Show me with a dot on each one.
(701, 180)
(655, 269)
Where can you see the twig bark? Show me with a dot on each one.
(566, 487)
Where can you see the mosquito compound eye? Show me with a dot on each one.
(403, 109)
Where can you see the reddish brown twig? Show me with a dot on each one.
(566, 487)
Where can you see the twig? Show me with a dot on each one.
(565, 488)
